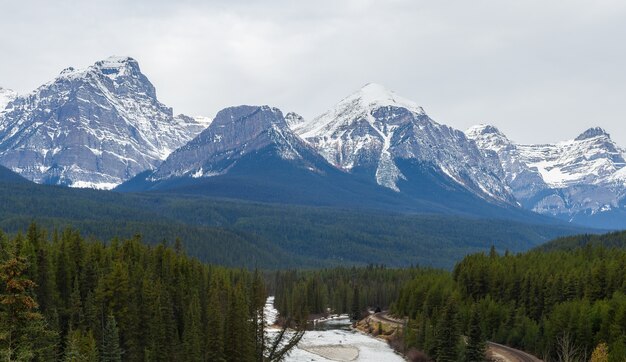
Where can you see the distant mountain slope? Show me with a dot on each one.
(610, 240)
(249, 234)
(10, 177)
(93, 127)
(580, 180)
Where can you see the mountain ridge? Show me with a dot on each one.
(576, 179)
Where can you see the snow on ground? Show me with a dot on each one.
(271, 314)
(336, 343)
(342, 345)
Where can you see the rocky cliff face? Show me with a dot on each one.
(94, 127)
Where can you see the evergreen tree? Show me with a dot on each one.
(238, 343)
(23, 331)
(447, 335)
(355, 313)
(111, 351)
(215, 329)
(476, 348)
(80, 347)
(72, 347)
(192, 333)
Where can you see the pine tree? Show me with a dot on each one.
(23, 331)
(72, 347)
(111, 351)
(192, 333)
(215, 329)
(476, 343)
(238, 342)
(355, 313)
(447, 334)
(88, 347)
(258, 315)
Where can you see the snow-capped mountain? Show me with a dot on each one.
(6, 96)
(377, 133)
(583, 176)
(93, 127)
(235, 133)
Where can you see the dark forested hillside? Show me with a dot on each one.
(64, 298)
(249, 234)
(611, 240)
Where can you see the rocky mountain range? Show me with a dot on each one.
(576, 179)
(103, 127)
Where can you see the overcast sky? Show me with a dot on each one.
(542, 71)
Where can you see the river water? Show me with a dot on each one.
(334, 340)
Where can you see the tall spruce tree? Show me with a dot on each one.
(447, 334)
(476, 348)
(23, 332)
(215, 328)
(192, 332)
(111, 350)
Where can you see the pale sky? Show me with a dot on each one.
(542, 71)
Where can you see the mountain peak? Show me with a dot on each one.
(111, 67)
(488, 137)
(293, 119)
(483, 129)
(263, 116)
(374, 95)
(592, 133)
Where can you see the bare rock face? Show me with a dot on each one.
(95, 127)
(374, 130)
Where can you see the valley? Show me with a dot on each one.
(132, 233)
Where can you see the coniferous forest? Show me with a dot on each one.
(64, 298)
(565, 304)
(67, 298)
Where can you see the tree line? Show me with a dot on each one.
(340, 290)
